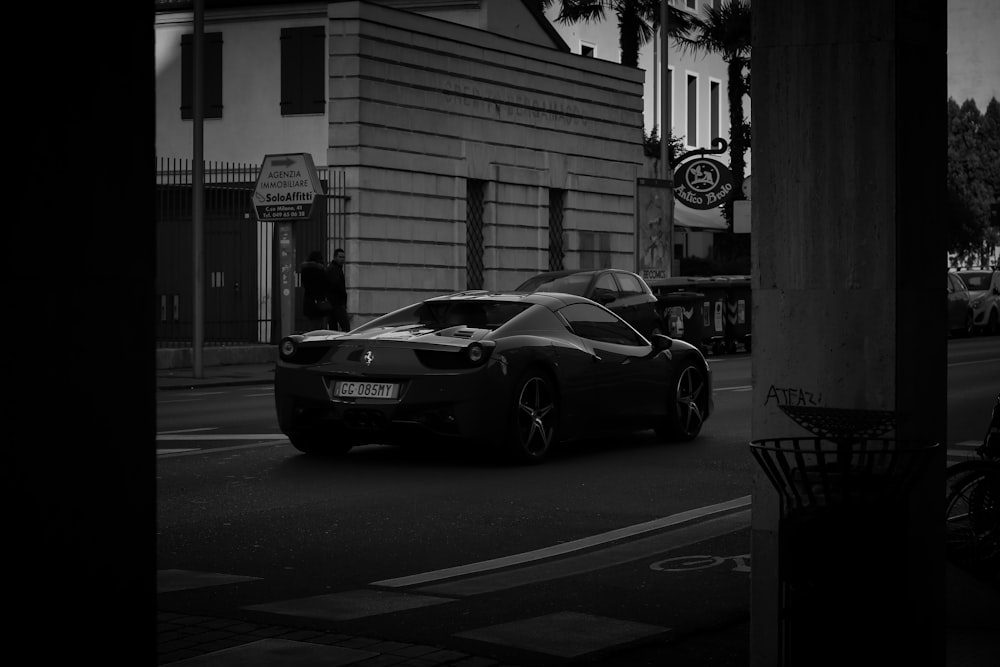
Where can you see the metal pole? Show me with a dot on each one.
(665, 132)
(198, 188)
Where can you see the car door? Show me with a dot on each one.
(958, 302)
(624, 379)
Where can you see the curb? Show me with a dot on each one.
(183, 357)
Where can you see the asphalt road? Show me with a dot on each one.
(613, 540)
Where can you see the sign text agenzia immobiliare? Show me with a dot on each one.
(286, 188)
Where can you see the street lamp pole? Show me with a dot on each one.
(198, 188)
(666, 125)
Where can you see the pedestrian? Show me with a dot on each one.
(316, 303)
(338, 292)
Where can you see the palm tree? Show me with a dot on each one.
(638, 20)
(726, 31)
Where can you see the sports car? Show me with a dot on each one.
(518, 372)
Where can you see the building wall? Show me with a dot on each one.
(419, 106)
(251, 125)
(416, 107)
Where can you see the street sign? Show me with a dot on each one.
(703, 183)
(286, 188)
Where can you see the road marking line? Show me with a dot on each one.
(969, 363)
(191, 452)
(161, 437)
(592, 561)
(568, 547)
(187, 430)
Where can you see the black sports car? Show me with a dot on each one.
(622, 292)
(517, 371)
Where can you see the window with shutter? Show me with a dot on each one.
(303, 70)
(211, 75)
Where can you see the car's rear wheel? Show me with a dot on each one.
(688, 406)
(319, 443)
(533, 428)
(993, 326)
(309, 437)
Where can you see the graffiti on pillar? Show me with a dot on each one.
(784, 396)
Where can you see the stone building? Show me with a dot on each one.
(475, 148)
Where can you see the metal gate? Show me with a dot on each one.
(239, 280)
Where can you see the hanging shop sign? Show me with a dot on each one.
(703, 183)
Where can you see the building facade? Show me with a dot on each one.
(475, 148)
(698, 112)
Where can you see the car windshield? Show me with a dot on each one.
(572, 284)
(478, 314)
(976, 281)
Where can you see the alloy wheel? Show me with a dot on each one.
(536, 417)
(689, 397)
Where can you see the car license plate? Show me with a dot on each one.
(366, 390)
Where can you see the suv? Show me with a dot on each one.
(622, 292)
(984, 291)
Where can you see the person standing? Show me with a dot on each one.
(338, 292)
(316, 304)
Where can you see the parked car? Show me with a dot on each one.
(984, 291)
(514, 371)
(621, 292)
(960, 318)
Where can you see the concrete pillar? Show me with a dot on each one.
(848, 248)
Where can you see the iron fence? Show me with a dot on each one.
(239, 252)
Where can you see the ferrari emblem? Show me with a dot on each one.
(369, 358)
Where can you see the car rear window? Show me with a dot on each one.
(572, 284)
(976, 281)
(478, 314)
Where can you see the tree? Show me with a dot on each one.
(651, 144)
(638, 20)
(726, 31)
(969, 190)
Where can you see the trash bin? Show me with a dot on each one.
(681, 312)
(737, 314)
(713, 313)
(842, 538)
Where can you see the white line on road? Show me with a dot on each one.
(568, 547)
(187, 430)
(172, 453)
(977, 362)
(219, 436)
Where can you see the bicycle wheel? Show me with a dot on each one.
(972, 517)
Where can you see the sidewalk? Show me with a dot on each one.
(972, 608)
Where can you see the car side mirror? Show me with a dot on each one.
(661, 342)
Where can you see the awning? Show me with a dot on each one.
(695, 219)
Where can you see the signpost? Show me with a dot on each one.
(286, 191)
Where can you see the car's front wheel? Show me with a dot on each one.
(993, 325)
(687, 406)
(533, 427)
(970, 325)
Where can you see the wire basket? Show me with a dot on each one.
(815, 473)
(841, 423)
